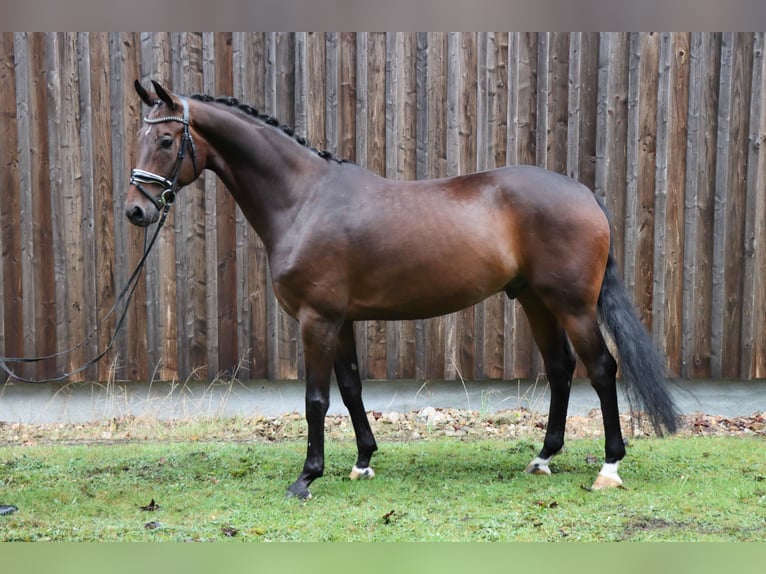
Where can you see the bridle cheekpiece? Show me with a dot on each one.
(140, 177)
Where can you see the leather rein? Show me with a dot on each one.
(162, 202)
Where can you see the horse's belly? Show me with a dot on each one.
(421, 295)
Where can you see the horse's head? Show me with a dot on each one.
(167, 157)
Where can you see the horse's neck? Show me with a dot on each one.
(267, 173)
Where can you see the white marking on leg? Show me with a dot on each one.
(608, 476)
(361, 473)
(539, 466)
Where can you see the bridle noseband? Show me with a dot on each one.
(169, 185)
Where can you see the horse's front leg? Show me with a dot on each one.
(319, 346)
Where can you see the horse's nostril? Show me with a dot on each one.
(136, 214)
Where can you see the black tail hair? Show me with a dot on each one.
(641, 364)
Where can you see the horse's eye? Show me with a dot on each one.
(166, 142)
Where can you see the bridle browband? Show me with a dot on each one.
(140, 177)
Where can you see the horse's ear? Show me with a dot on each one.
(143, 94)
(163, 95)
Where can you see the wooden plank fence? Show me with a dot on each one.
(667, 127)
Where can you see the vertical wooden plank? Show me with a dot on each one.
(647, 147)
(436, 137)
(103, 199)
(672, 114)
(641, 168)
(137, 356)
(719, 206)
(631, 189)
(87, 193)
(690, 306)
(735, 236)
(588, 91)
(180, 213)
(191, 275)
(331, 89)
(376, 162)
(23, 168)
(120, 168)
(53, 67)
(612, 134)
(703, 102)
(212, 286)
(558, 101)
(42, 264)
(226, 230)
(315, 88)
(543, 78)
(248, 74)
(10, 202)
(574, 118)
(347, 96)
(151, 270)
(71, 201)
(166, 361)
(753, 352)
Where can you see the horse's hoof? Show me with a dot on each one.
(607, 478)
(298, 491)
(538, 466)
(6, 509)
(604, 482)
(361, 473)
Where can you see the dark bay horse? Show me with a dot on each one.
(346, 245)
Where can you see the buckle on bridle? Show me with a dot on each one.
(138, 177)
(168, 197)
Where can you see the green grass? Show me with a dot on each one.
(687, 489)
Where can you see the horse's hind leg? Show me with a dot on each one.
(559, 367)
(350, 385)
(590, 346)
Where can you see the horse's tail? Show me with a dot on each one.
(641, 364)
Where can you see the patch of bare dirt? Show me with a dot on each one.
(425, 423)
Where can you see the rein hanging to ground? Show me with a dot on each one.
(125, 296)
(163, 201)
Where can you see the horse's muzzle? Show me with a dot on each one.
(141, 216)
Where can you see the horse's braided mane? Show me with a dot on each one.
(267, 119)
